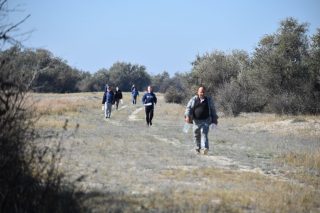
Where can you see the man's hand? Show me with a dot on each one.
(215, 121)
(187, 119)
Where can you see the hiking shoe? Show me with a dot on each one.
(197, 151)
(205, 151)
(150, 123)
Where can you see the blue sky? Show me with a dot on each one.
(163, 35)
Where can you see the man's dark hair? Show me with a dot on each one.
(202, 87)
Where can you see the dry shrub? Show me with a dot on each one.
(30, 179)
(287, 103)
(230, 99)
(173, 95)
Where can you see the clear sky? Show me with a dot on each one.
(163, 35)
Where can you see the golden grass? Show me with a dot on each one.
(309, 160)
(50, 104)
(306, 164)
(246, 191)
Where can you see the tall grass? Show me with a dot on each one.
(306, 166)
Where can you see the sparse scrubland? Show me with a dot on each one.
(257, 162)
(59, 154)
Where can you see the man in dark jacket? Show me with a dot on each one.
(108, 100)
(117, 97)
(135, 94)
(149, 99)
(202, 111)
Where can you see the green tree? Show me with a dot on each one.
(124, 75)
(280, 68)
(161, 82)
(95, 82)
(216, 69)
(314, 65)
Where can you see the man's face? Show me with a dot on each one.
(201, 92)
(149, 89)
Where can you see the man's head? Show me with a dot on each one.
(201, 91)
(149, 88)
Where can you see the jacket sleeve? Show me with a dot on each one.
(155, 99)
(213, 113)
(104, 98)
(188, 111)
(143, 99)
(113, 98)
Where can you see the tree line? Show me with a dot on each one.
(282, 75)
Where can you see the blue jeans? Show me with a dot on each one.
(200, 133)
(107, 110)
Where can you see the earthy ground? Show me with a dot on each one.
(256, 163)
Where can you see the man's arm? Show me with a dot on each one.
(155, 99)
(213, 113)
(188, 111)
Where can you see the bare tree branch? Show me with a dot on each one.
(2, 4)
(7, 29)
(4, 36)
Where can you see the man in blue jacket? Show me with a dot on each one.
(149, 99)
(134, 93)
(108, 101)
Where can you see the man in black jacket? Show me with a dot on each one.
(202, 111)
(117, 97)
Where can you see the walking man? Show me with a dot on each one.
(149, 99)
(135, 94)
(108, 100)
(117, 97)
(201, 112)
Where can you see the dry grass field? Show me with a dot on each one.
(257, 162)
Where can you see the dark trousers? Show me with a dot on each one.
(134, 99)
(149, 114)
(117, 103)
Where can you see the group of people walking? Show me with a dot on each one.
(200, 112)
(110, 98)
